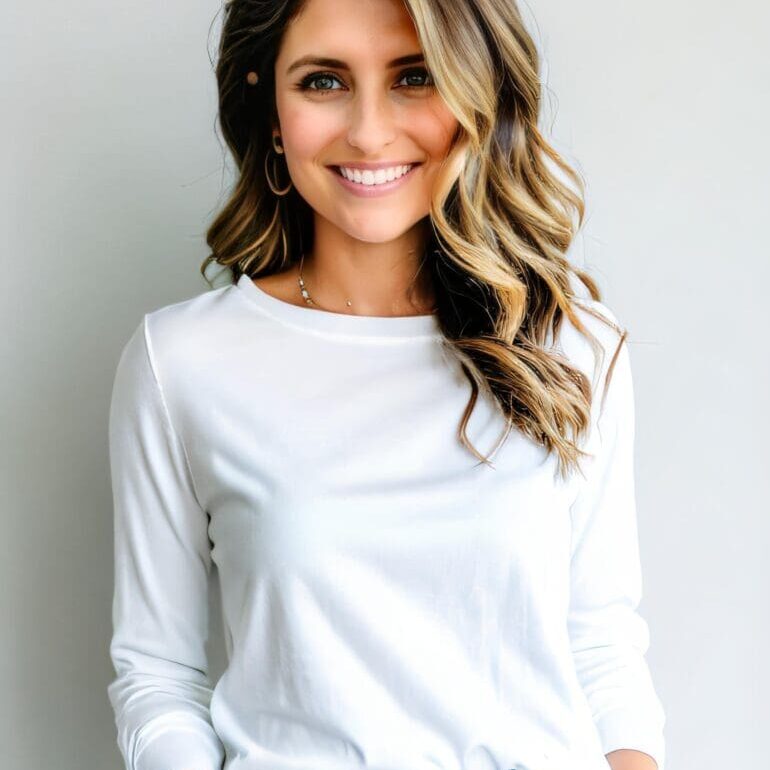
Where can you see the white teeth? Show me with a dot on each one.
(380, 176)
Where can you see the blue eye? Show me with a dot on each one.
(307, 82)
(418, 72)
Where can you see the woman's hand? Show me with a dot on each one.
(628, 759)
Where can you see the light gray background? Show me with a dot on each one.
(111, 170)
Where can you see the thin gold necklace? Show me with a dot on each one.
(303, 289)
(306, 294)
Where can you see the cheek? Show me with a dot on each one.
(306, 131)
(434, 128)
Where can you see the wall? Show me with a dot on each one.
(111, 172)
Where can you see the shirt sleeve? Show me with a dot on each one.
(609, 638)
(161, 693)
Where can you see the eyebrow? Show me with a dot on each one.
(322, 61)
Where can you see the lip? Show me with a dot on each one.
(374, 190)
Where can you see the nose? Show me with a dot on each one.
(372, 123)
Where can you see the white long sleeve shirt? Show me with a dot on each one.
(388, 601)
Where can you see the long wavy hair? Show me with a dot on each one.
(501, 218)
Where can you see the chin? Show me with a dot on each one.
(385, 234)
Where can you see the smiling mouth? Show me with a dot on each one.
(370, 175)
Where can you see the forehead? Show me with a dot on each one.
(357, 31)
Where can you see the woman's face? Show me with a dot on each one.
(361, 109)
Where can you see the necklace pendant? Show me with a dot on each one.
(348, 303)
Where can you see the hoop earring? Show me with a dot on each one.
(270, 182)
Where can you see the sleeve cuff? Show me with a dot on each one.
(186, 743)
(626, 729)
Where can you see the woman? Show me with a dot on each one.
(322, 429)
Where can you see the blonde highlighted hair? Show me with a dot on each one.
(502, 219)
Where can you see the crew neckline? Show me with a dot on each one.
(327, 321)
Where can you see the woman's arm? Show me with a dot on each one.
(161, 692)
(608, 636)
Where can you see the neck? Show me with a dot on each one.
(377, 279)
